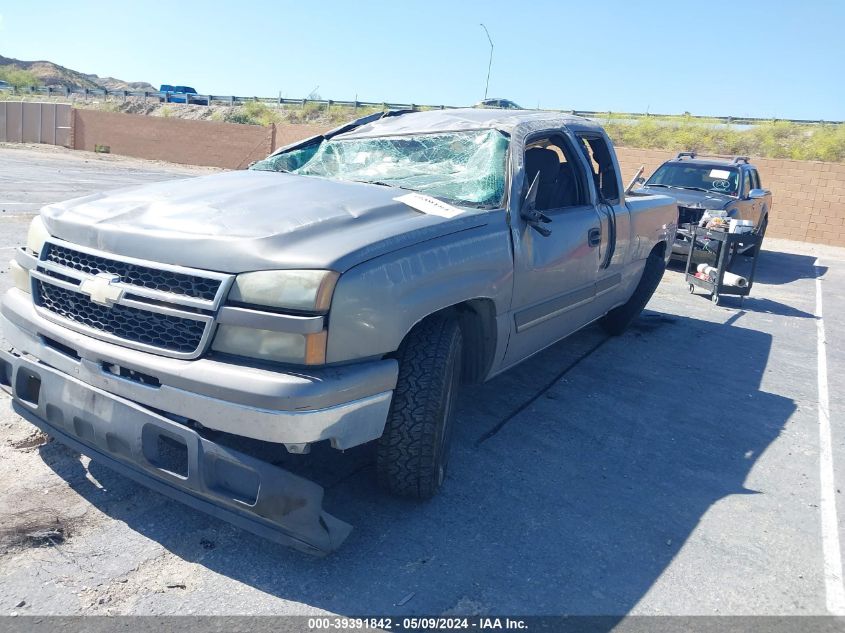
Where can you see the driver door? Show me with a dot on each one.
(554, 275)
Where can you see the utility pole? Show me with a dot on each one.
(490, 63)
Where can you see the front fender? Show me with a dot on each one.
(378, 302)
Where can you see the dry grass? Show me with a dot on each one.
(771, 139)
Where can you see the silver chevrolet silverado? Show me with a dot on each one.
(341, 289)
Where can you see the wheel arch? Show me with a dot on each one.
(479, 330)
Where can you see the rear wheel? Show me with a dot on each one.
(617, 320)
(413, 452)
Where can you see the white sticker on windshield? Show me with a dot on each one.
(429, 205)
(720, 174)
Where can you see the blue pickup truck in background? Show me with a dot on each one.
(181, 94)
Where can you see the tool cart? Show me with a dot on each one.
(724, 247)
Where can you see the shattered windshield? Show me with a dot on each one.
(463, 167)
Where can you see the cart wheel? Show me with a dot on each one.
(692, 289)
(715, 299)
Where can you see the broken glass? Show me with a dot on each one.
(289, 161)
(462, 167)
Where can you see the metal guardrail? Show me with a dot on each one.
(232, 100)
(179, 97)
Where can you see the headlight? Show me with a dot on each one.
(20, 276)
(283, 347)
(37, 235)
(300, 290)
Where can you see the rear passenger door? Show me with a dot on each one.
(605, 173)
(756, 204)
(554, 276)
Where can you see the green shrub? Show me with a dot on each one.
(771, 139)
(18, 78)
(252, 113)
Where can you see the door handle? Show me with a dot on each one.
(594, 237)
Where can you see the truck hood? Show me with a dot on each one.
(250, 220)
(691, 198)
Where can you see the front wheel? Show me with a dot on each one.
(413, 452)
(617, 320)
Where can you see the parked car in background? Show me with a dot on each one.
(339, 291)
(710, 185)
(181, 94)
(501, 104)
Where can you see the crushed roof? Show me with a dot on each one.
(464, 119)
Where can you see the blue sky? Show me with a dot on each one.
(742, 58)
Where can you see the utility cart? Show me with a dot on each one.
(723, 247)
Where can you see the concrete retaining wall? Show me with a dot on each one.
(216, 144)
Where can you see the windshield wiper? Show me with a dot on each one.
(700, 189)
(654, 184)
(375, 182)
(381, 183)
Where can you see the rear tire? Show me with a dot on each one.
(617, 320)
(413, 453)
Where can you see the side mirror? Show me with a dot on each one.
(529, 212)
(756, 194)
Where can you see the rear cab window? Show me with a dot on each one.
(600, 159)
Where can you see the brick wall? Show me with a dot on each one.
(808, 197)
(217, 144)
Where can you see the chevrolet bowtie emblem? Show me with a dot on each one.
(101, 289)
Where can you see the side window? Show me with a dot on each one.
(601, 160)
(551, 160)
(755, 179)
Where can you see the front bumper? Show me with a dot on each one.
(171, 458)
(346, 405)
(136, 413)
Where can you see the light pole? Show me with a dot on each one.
(490, 63)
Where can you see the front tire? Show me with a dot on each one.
(413, 453)
(617, 320)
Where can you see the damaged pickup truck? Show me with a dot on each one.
(340, 290)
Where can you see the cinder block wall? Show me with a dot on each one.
(216, 144)
(808, 197)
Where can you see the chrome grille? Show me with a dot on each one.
(160, 308)
(167, 332)
(134, 274)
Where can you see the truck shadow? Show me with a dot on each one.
(784, 268)
(576, 478)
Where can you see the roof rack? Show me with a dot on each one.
(741, 159)
(683, 154)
